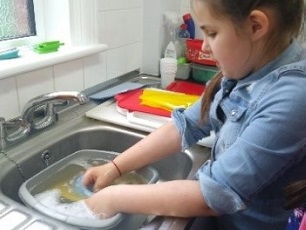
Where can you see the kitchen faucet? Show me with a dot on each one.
(47, 102)
(38, 113)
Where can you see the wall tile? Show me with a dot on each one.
(69, 76)
(120, 28)
(114, 28)
(116, 62)
(185, 4)
(123, 60)
(8, 98)
(102, 26)
(133, 30)
(94, 69)
(34, 83)
(104, 5)
(133, 54)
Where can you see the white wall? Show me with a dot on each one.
(119, 24)
(156, 32)
(121, 28)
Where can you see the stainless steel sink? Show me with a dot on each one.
(74, 132)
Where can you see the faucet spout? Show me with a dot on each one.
(47, 102)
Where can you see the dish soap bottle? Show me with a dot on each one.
(170, 51)
(183, 34)
(190, 25)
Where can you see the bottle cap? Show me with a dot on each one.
(184, 26)
(186, 17)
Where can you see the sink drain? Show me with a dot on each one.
(46, 157)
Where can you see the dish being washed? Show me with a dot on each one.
(61, 185)
(74, 190)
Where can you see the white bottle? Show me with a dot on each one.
(170, 51)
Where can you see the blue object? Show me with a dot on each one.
(79, 188)
(111, 92)
(190, 25)
(183, 32)
(295, 219)
(9, 53)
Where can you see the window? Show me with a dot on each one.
(21, 22)
(17, 19)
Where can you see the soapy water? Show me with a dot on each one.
(51, 199)
(88, 162)
(64, 192)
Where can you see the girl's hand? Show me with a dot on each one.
(100, 176)
(101, 203)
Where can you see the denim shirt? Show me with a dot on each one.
(260, 143)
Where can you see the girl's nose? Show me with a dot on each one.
(206, 50)
(205, 47)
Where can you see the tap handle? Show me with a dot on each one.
(11, 123)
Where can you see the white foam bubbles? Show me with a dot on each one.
(51, 199)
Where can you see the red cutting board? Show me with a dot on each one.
(131, 100)
(186, 87)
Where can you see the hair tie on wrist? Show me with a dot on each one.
(119, 171)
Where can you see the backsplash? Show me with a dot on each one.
(120, 26)
(73, 75)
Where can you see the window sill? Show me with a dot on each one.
(29, 60)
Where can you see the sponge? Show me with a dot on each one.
(74, 190)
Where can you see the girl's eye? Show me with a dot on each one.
(211, 34)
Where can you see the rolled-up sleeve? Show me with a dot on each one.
(218, 197)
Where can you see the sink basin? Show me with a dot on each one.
(99, 138)
(29, 158)
(75, 132)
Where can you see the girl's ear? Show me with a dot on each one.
(259, 24)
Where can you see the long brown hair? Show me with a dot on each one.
(289, 19)
(295, 195)
(208, 97)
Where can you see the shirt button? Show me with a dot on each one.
(233, 112)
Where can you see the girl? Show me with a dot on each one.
(256, 105)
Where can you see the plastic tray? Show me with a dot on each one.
(195, 54)
(202, 73)
(42, 181)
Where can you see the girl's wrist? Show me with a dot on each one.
(112, 171)
(117, 168)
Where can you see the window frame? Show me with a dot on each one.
(40, 30)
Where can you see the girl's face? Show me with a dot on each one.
(231, 50)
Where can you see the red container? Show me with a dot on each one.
(195, 54)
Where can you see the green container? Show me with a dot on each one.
(202, 73)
